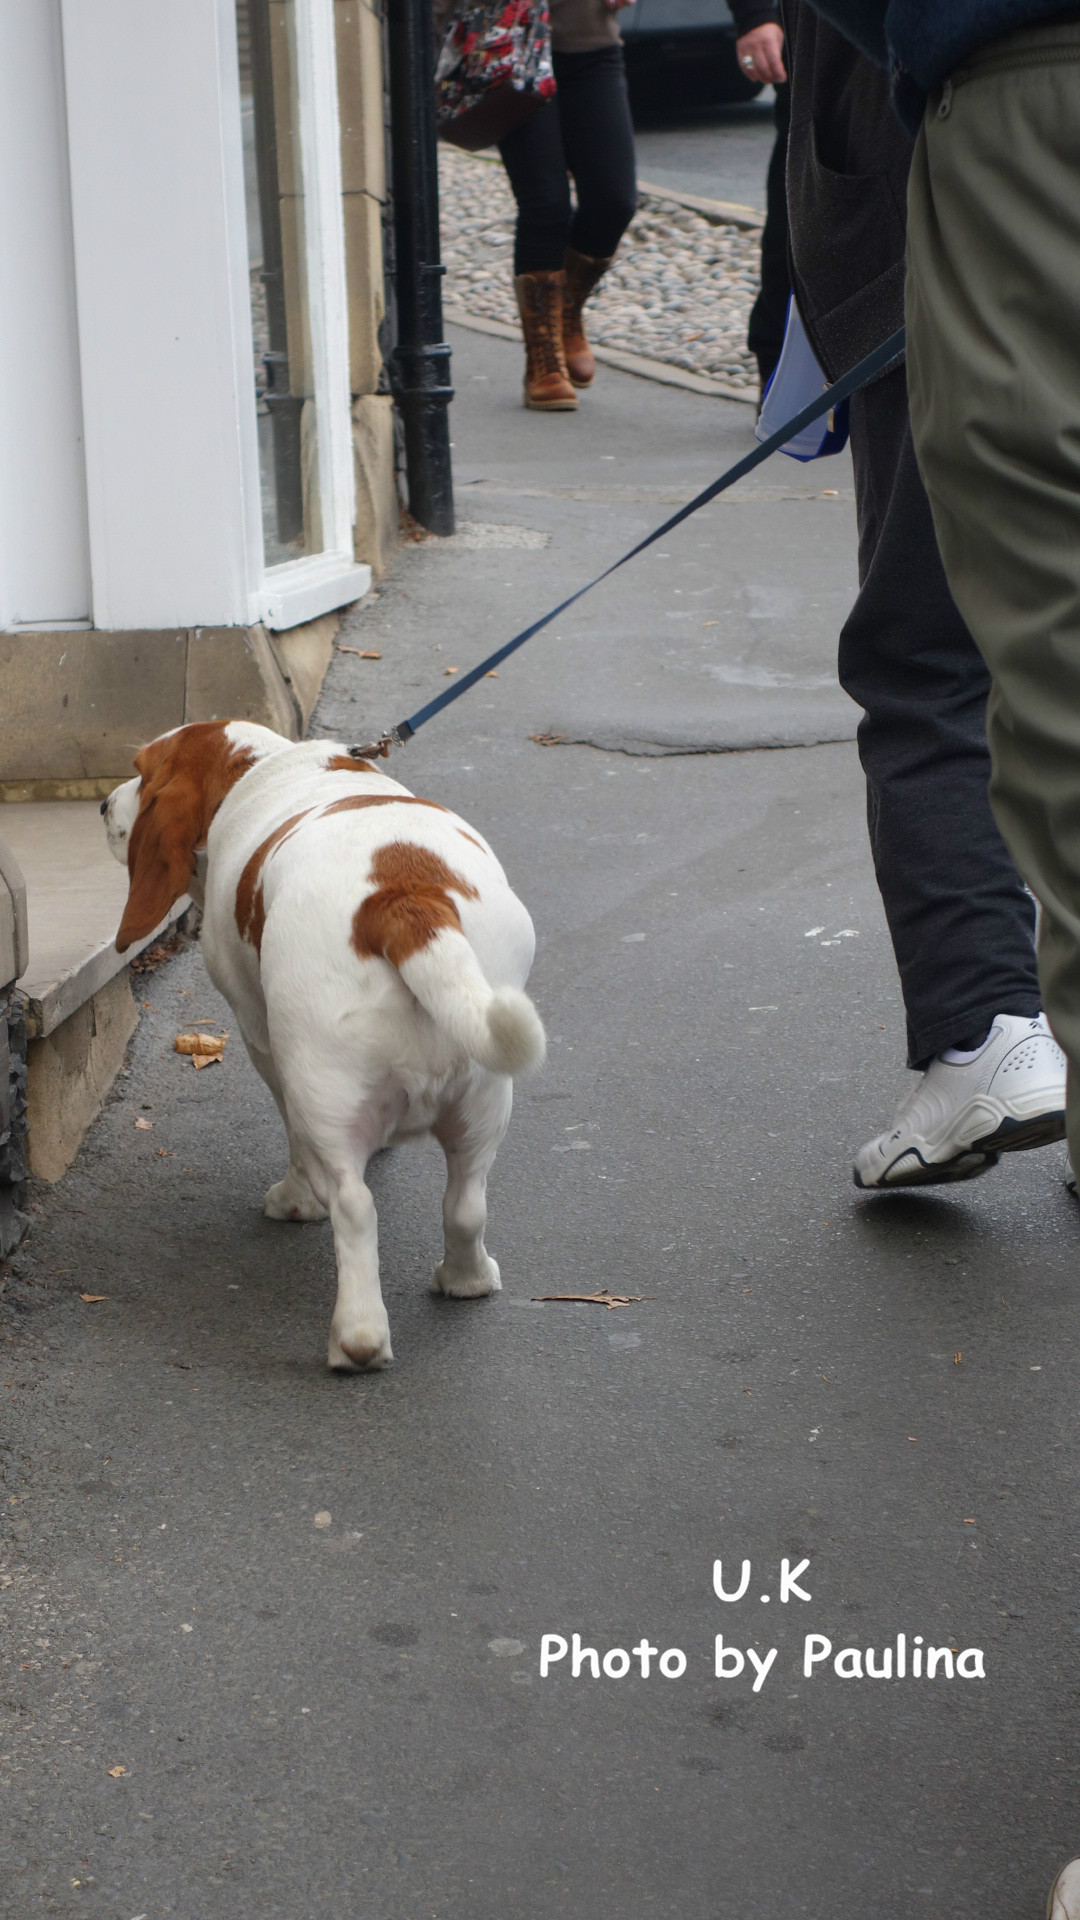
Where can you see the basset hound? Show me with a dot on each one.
(373, 954)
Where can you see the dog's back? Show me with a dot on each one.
(336, 898)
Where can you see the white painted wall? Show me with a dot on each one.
(129, 471)
(164, 328)
(44, 553)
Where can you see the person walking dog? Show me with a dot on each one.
(992, 1079)
(991, 90)
(562, 251)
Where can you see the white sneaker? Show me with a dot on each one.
(958, 1119)
(1064, 1901)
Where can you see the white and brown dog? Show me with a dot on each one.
(373, 954)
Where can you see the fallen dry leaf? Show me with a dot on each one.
(362, 653)
(595, 1299)
(93, 1298)
(155, 956)
(449, 670)
(956, 1359)
(201, 1048)
(117, 1773)
(548, 739)
(144, 1126)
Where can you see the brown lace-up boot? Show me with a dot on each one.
(540, 304)
(582, 275)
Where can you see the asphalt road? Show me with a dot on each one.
(724, 156)
(272, 1638)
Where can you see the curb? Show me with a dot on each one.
(635, 363)
(722, 213)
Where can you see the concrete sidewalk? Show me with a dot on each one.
(723, 637)
(272, 1639)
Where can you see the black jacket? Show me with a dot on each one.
(847, 169)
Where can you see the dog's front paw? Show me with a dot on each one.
(468, 1283)
(292, 1199)
(361, 1347)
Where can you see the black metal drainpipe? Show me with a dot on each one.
(420, 362)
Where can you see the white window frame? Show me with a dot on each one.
(299, 590)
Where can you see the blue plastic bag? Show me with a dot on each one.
(796, 381)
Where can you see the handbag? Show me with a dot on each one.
(493, 70)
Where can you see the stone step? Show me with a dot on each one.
(79, 1009)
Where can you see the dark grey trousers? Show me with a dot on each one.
(962, 924)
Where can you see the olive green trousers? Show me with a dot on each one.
(993, 313)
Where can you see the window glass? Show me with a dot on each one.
(278, 263)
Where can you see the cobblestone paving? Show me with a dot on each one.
(680, 291)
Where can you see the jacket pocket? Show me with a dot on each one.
(847, 229)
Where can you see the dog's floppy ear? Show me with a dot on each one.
(185, 777)
(161, 850)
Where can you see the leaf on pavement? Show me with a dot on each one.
(201, 1048)
(144, 1126)
(93, 1298)
(595, 1299)
(117, 1773)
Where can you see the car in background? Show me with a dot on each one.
(680, 57)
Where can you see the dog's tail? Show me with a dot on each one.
(417, 928)
(498, 1027)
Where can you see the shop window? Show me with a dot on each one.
(296, 268)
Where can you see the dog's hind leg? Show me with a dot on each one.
(336, 1123)
(469, 1133)
(360, 1329)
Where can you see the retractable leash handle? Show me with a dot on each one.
(833, 396)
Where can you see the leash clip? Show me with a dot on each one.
(380, 749)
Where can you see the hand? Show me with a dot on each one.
(761, 54)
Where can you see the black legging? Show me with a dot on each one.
(585, 131)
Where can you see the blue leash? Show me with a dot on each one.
(825, 402)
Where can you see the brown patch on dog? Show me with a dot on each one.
(250, 907)
(380, 800)
(185, 777)
(350, 763)
(411, 905)
(471, 839)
